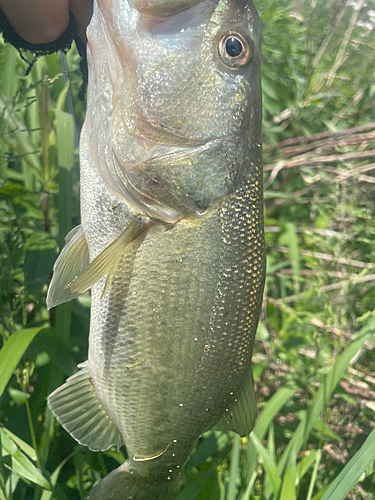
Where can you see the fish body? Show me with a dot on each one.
(171, 241)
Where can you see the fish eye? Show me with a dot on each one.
(234, 49)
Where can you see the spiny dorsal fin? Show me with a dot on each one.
(78, 409)
(107, 261)
(74, 257)
(242, 414)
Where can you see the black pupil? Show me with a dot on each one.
(233, 47)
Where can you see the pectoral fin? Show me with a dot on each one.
(73, 258)
(78, 409)
(106, 262)
(242, 414)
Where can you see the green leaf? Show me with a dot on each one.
(21, 142)
(65, 139)
(269, 464)
(306, 462)
(294, 253)
(196, 485)
(288, 489)
(234, 471)
(12, 352)
(26, 448)
(272, 407)
(21, 465)
(350, 474)
(38, 267)
(47, 494)
(313, 477)
(324, 393)
(265, 418)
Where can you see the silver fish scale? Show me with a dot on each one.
(180, 317)
(171, 341)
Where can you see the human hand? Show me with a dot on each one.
(43, 21)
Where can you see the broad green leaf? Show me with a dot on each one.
(65, 139)
(21, 465)
(288, 488)
(26, 448)
(12, 352)
(196, 485)
(351, 473)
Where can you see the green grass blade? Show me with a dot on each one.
(288, 489)
(8, 84)
(305, 464)
(314, 474)
(249, 487)
(26, 448)
(266, 416)
(20, 138)
(196, 485)
(47, 495)
(350, 474)
(12, 352)
(21, 465)
(64, 123)
(234, 472)
(272, 407)
(65, 139)
(294, 253)
(324, 393)
(269, 464)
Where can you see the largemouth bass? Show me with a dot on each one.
(171, 241)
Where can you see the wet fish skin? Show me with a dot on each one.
(162, 8)
(172, 146)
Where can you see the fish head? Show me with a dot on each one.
(185, 118)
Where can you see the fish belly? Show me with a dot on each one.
(171, 342)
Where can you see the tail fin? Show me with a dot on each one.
(125, 484)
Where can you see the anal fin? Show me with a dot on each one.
(78, 409)
(74, 257)
(242, 414)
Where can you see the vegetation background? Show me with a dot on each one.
(314, 358)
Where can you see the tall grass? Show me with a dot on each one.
(314, 361)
